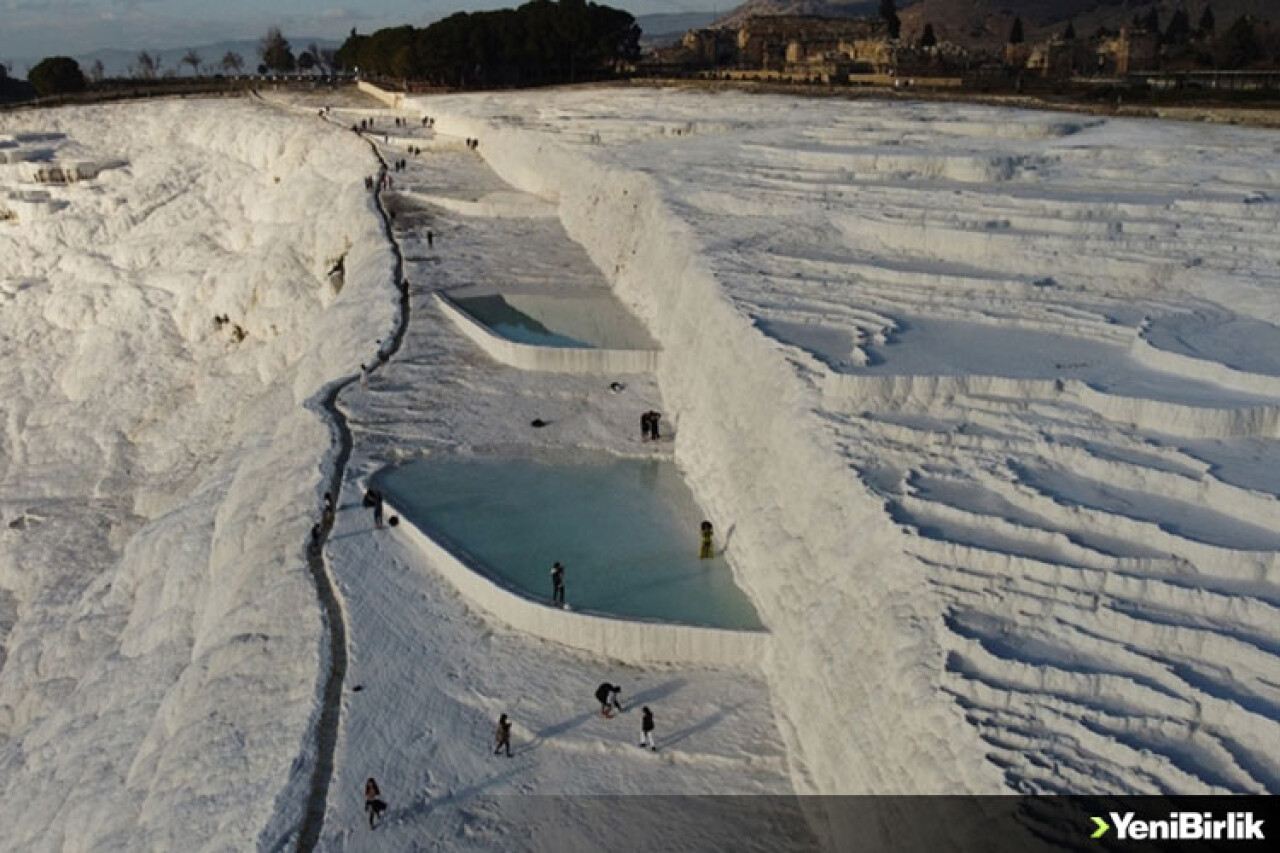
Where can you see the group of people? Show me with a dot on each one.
(609, 697)
(372, 500)
(649, 425)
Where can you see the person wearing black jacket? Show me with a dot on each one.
(557, 584)
(607, 694)
(646, 729)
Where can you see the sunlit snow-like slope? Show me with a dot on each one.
(158, 470)
(990, 402)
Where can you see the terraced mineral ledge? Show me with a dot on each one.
(983, 404)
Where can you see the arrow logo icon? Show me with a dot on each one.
(1102, 827)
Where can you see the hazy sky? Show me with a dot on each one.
(39, 28)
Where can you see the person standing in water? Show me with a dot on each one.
(707, 551)
(557, 584)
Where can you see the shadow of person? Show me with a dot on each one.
(560, 728)
(728, 534)
(653, 694)
(423, 808)
(702, 725)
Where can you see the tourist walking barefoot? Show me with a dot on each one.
(502, 735)
(373, 803)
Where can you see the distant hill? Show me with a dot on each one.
(987, 22)
(658, 30)
(824, 8)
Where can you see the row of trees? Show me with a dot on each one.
(541, 42)
(274, 51)
(1241, 45)
(57, 75)
(1179, 30)
(1246, 43)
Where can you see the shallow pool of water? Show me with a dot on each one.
(587, 318)
(626, 531)
(505, 320)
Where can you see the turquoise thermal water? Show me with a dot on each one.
(508, 322)
(626, 531)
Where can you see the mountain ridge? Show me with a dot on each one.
(986, 23)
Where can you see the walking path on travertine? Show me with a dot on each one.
(427, 678)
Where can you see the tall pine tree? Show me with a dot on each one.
(1015, 32)
(889, 11)
(1179, 29)
(1207, 23)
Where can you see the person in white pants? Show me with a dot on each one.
(646, 729)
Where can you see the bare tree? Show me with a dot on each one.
(192, 58)
(232, 62)
(148, 65)
(97, 71)
(318, 57)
